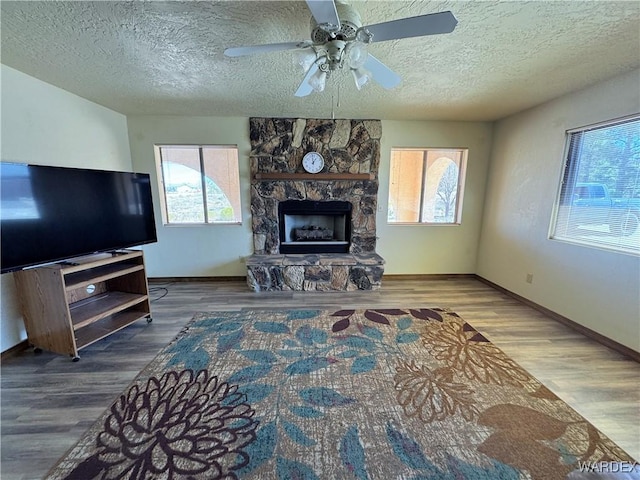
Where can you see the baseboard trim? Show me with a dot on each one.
(197, 279)
(390, 277)
(587, 332)
(15, 350)
(426, 276)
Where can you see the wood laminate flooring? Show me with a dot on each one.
(48, 401)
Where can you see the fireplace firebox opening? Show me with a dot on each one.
(308, 226)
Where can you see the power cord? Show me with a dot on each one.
(164, 291)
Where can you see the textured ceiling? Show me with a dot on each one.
(167, 58)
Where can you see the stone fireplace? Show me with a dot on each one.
(314, 231)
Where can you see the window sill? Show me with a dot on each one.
(179, 225)
(422, 224)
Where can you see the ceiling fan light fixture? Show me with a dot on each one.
(318, 80)
(360, 76)
(363, 35)
(356, 53)
(305, 58)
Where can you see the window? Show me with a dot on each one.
(199, 184)
(426, 185)
(599, 199)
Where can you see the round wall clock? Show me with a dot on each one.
(313, 162)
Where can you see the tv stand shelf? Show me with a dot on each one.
(93, 275)
(69, 305)
(103, 306)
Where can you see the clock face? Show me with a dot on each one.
(313, 162)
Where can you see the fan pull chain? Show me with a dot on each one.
(333, 113)
(337, 104)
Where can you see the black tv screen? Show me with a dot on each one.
(49, 214)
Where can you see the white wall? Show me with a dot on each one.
(595, 288)
(42, 124)
(420, 249)
(202, 250)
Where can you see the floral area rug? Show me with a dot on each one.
(350, 394)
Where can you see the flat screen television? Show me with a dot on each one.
(49, 214)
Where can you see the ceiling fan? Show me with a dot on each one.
(339, 40)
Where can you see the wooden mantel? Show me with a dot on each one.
(261, 177)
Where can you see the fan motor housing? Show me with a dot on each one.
(350, 22)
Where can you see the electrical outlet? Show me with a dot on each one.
(529, 277)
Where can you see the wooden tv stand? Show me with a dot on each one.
(69, 305)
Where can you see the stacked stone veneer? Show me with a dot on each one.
(315, 272)
(348, 146)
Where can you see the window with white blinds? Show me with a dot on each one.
(599, 199)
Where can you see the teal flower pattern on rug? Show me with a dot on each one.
(350, 394)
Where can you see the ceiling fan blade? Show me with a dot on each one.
(271, 47)
(325, 14)
(305, 87)
(431, 24)
(382, 74)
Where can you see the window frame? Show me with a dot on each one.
(568, 176)
(462, 175)
(163, 191)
